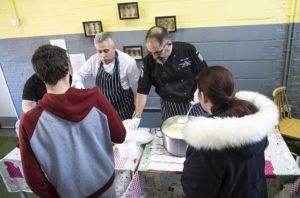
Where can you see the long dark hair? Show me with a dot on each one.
(218, 85)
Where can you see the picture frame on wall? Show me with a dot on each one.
(135, 52)
(91, 28)
(168, 22)
(128, 10)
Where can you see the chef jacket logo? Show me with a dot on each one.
(185, 62)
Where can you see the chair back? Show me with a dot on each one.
(281, 100)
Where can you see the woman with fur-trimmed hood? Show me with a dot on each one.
(225, 156)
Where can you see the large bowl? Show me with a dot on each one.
(174, 143)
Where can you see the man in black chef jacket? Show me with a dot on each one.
(171, 67)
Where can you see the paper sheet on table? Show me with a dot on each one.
(59, 42)
(13, 155)
(167, 159)
(166, 163)
(77, 60)
(161, 166)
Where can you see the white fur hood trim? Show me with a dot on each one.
(219, 133)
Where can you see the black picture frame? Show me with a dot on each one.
(135, 51)
(168, 22)
(128, 10)
(91, 28)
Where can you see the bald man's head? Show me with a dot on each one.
(160, 34)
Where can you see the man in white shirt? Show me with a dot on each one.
(116, 74)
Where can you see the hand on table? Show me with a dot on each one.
(132, 124)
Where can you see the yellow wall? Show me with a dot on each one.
(51, 17)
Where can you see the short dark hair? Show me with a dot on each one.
(218, 85)
(160, 34)
(50, 63)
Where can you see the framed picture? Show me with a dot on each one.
(135, 52)
(168, 22)
(128, 10)
(91, 28)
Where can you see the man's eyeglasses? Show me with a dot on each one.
(158, 53)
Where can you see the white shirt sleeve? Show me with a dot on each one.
(90, 68)
(129, 72)
(133, 74)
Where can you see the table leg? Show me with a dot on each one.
(23, 194)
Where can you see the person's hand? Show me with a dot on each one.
(132, 124)
(77, 84)
(196, 98)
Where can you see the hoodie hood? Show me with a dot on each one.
(246, 132)
(73, 105)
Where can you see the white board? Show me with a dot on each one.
(8, 113)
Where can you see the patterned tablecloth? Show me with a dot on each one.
(125, 168)
(159, 173)
(12, 172)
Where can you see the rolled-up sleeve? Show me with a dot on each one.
(198, 61)
(133, 74)
(144, 84)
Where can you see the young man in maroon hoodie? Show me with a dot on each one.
(65, 141)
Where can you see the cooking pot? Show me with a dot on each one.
(173, 135)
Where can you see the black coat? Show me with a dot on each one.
(225, 157)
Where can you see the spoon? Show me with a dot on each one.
(182, 120)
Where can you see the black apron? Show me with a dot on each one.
(110, 85)
(170, 109)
